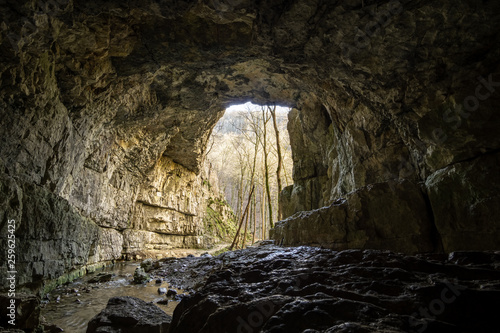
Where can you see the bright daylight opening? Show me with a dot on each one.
(250, 149)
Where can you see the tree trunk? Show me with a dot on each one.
(244, 241)
(240, 196)
(278, 149)
(254, 210)
(266, 167)
(263, 215)
(241, 222)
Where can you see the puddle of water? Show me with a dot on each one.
(75, 309)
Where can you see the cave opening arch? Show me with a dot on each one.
(250, 148)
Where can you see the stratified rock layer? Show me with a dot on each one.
(303, 289)
(106, 108)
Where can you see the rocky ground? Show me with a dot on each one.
(306, 289)
(267, 288)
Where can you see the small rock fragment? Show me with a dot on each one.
(171, 292)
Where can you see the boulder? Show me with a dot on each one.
(25, 311)
(147, 264)
(171, 293)
(465, 200)
(101, 277)
(389, 215)
(128, 314)
(140, 276)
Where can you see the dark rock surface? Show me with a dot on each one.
(101, 277)
(464, 199)
(304, 289)
(130, 315)
(360, 221)
(25, 312)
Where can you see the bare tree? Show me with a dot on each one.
(244, 156)
(272, 110)
(265, 120)
(254, 211)
(241, 222)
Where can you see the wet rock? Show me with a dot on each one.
(140, 276)
(459, 194)
(164, 301)
(158, 281)
(171, 293)
(24, 309)
(101, 277)
(179, 297)
(273, 289)
(187, 273)
(50, 328)
(147, 264)
(129, 314)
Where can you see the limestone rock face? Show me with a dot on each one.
(55, 239)
(464, 199)
(385, 215)
(106, 109)
(169, 212)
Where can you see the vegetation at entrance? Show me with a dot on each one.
(220, 220)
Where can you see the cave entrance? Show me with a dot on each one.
(245, 149)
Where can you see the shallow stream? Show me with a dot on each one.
(72, 306)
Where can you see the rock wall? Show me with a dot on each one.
(93, 162)
(421, 109)
(55, 242)
(391, 215)
(106, 108)
(170, 212)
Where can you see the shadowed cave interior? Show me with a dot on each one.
(106, 110)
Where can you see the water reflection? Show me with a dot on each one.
(79, 301)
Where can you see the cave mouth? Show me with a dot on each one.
(243, 151)
(256, 107)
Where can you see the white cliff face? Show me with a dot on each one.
(169, 211)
